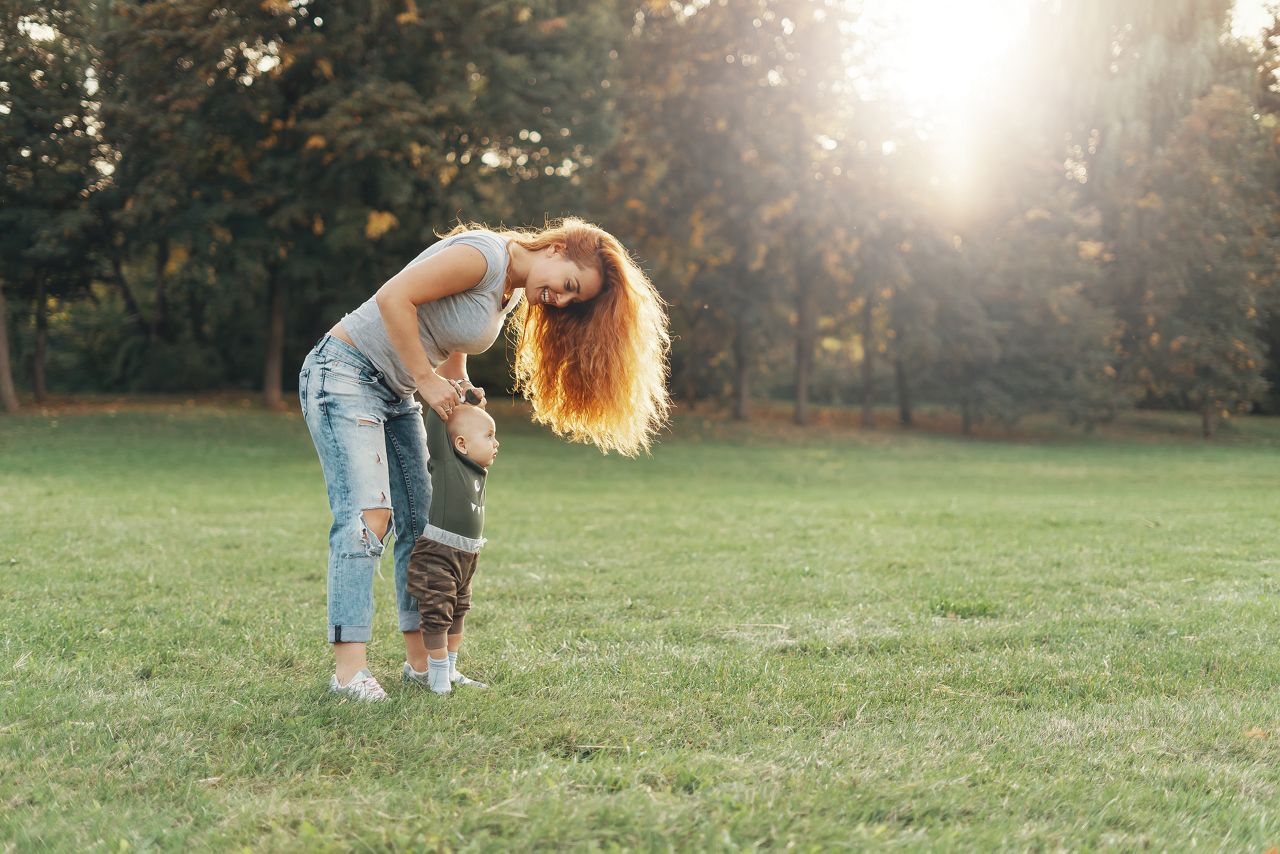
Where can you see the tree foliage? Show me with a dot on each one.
(207, 186)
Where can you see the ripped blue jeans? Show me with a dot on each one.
(373, 450)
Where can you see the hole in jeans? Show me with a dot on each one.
(374, 523)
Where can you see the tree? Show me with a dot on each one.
(723, 177)
(1118, 79)
(295, 148)
(1204, 236)
(47, 148)
(1267, 91)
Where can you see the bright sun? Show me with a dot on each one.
(937, 55)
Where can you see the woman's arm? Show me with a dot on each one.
(450, 271)
(454, 367)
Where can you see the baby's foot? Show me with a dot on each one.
(458, 679)
(424, 678)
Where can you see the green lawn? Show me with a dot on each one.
(752, 639)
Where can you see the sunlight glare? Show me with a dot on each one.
(940, 54)
(1250, 17)
(941, 65)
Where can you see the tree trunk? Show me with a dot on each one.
(690, 377)
(689, 374)
(904, 392)
(868, 366)
(130, 304)
(1207, 420)
(42, 342)
(8, 394)
(741, 371)
(274, 361)
(805, 333)
(162, 261)
(195, 314)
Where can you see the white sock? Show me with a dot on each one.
(438, 675)
(453, 665)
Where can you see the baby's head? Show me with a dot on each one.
(473, 433)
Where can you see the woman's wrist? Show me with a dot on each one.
(426, 378)
(455, 380)
(459, 385)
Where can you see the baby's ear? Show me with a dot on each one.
(460, 442)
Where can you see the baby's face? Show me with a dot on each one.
(476, 437)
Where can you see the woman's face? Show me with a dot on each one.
(556, 282)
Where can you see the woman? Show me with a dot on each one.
(590, 357)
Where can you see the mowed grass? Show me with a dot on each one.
(755, 638)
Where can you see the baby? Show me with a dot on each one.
(444, 557)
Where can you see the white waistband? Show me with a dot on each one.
(457, 541)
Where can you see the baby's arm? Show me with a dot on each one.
(437, 434)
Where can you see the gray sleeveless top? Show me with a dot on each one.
(467, 322)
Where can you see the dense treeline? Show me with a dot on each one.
(194, 190)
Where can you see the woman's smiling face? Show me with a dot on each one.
(555, 281)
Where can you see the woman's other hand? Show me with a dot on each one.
(472, 394)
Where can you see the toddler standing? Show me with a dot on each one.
(443, 560)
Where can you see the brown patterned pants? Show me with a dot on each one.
(440, 579)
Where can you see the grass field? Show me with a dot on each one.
(756, 638)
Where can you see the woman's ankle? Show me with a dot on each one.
(415, 651)
(348, 660)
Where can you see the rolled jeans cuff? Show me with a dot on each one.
(350, 634)
(410, 621)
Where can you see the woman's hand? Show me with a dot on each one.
(454, 370)
(440, 394)
(465, 386)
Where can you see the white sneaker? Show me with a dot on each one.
(361, 687)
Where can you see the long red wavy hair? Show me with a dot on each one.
(595, 371)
